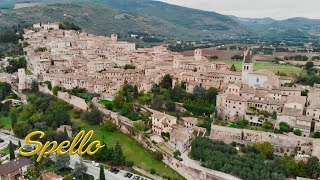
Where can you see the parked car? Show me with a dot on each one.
(95, 164)
(115, 171)
(179, 158)
(136, 178)
(130, 175)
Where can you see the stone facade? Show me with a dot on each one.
(305, 146)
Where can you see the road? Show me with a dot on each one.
(92, 170)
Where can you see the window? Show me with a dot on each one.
(257, 80)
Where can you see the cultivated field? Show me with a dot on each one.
(288, 69)
(303, 62)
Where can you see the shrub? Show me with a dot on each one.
(316, 134)
(284, 127)
(267, 125)
(243, 123)
(110, 126)
(152, 171)
(158, 155)
(129, 163)
(297, 132)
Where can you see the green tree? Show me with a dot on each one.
(138, 126)
(110, 126)
(135, 91)
(199, 92)
(312, 167)
(267, 125)
(233, 68)
(21, 128)
(119, 101)
(118, 158)
(176, 153)
(166, 82)
(48, 83)
(62, 161)
(211, 94)
(170, 105)
(309, 65)
(129, 66)
(243, 123)
(284, 127)
(55, 90)
(178, 93)
(80, 169)
(101, 174)
(19, 144)
(65, 133)
(11, 151)
(93, 117)
(153, 171)
(264, 148)
(316, 135)
(158, 155)
(214, 57)
(13, 116)
(297, 132)
(34, 86)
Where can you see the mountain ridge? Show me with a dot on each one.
(161, 19)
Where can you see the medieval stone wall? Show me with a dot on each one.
(65, 96)
(73, 100)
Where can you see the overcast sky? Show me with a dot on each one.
(277, 9)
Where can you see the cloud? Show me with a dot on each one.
(278, 9)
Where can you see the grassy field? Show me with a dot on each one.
(166, 149)
(105, 102)
(5, 122)
(288, 69)
(131, 149)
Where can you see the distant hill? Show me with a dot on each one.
(161, 19)
(293, 28)
(144, 16)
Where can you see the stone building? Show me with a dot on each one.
(14, 169)
(304, 146)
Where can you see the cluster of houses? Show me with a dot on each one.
(100, 64)
(15, 169)
(262, 92)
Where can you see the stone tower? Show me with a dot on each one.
(22, 79)
(247, 66)
(114, 38)
(197, 54)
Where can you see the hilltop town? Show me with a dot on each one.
(274, 108)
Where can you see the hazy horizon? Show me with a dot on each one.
(276, 9)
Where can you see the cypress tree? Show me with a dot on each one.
(11, 151)
(65, 133)
(102, 176)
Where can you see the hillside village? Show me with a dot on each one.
(103, 65)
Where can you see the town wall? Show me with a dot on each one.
(73, 100)
(44, 89)
(65, 96)
(246, 136)
(124, 124)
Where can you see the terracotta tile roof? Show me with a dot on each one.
(14, 165)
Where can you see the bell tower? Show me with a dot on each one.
(197, 54)
(114, 38)
(247, 66)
